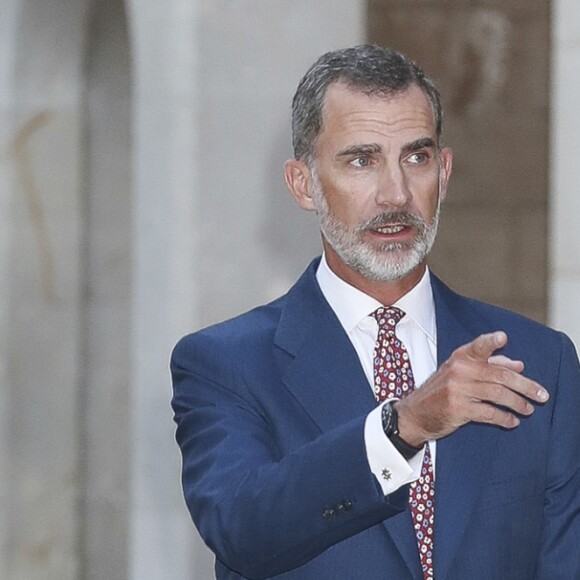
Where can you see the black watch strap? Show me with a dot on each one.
(390, 419)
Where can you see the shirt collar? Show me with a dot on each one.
(351, 305)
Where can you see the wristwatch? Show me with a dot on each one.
(390, 419)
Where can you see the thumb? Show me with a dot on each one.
(486, 344)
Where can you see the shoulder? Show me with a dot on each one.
(239, 335)
(528, 339)
(251, 331)
(516, 322)
(473, 312)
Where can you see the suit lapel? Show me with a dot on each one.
(322, 370)
(463, 458)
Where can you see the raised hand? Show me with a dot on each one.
(473, 385)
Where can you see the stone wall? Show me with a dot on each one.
(42, 290)
(141, 185)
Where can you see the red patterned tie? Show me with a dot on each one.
(394, 379)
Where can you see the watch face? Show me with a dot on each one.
(389, 422)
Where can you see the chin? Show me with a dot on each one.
(380, 269)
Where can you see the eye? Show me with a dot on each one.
(418, 158)
(361, 161)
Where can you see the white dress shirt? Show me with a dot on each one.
(416, 330)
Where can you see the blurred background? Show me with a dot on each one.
(141, 197)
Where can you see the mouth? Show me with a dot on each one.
(391, 230)
(397, 227)
(398, 232)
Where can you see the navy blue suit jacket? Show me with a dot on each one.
(270, 409)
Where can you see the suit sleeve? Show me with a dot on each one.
(260, 511)
(559, 557)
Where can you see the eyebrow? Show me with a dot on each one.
(423, 143)
(366, 149)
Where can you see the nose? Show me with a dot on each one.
(392, 189)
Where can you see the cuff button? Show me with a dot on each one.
(327, 513)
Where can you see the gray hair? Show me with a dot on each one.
(367, 68)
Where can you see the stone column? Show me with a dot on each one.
(565, 198)
(8, 9)
(165, 258)
(215, 231)
(40, 288)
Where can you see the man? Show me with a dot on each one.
(371, 423)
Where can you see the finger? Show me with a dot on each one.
(485, 345)
(504, 398)
(503, 361)
(506, 378)
(495, 416)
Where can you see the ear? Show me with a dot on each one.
(299, 182)
(445, 167)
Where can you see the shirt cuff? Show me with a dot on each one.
(390, 468)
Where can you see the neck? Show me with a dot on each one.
(386, 293)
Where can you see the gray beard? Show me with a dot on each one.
(382, 263)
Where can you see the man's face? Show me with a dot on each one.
(378, 180)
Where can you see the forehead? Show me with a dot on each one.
(352, 114)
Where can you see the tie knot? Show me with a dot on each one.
(388, 317)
